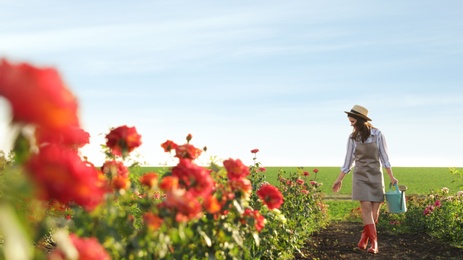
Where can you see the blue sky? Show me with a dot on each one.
(239, 75)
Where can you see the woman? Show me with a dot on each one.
(367, 147)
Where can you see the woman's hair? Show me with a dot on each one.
(361, 129)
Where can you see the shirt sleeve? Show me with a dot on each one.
(383, 156)
(349, 159)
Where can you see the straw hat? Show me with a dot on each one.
(360, 112)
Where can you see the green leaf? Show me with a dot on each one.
(238, 206)
(207, 239)
(238, 239)
(21, 148)
(255, 235)
(17, 243)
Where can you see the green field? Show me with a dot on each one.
(419, 180)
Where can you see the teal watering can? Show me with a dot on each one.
(395, 199)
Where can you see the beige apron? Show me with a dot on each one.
(367, 180)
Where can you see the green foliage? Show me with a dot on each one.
(413, 221)
(5, 161)
(438, 213)
(120, 227)
(21, 148)
(459, 175)
(302, 213)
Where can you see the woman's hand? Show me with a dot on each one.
(394, 180)
(337, 185)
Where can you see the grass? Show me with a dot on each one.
(419, 180)
(343, 210)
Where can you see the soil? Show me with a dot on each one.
(339, 241)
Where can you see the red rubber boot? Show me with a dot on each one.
(373, 236)
(363, 239)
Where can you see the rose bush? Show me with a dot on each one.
(56, 205)
(301, 213)
(438, 214)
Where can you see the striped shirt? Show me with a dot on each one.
(351, 145)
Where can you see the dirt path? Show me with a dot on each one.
(339, 241)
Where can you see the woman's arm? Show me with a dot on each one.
(349, 158)
(338, 183)
(383, 156)
(391, 176)
(345, 169)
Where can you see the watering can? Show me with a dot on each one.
(395, 199)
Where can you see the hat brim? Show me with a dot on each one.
(359, 115)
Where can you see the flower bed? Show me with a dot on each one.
(438, 214)
(57, 205)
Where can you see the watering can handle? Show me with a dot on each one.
(395, 185)
(397, 190)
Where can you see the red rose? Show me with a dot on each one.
(114, 168)
(271, 196)
(235, 169)
(149, 179)
(37, 96)
(152, 221)
(60, 174)
(211, 204)
(120, 183)
(169, 145)
(257, 218)
(195, 179)
(168, 183)
(70, 136)
(244, 185)
(187, 151)
(87, 249)
(183, 204)
(123, 140)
